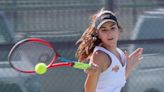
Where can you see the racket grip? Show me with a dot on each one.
(80, 65)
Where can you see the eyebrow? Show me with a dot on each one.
(111, 25)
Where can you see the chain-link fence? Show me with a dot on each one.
(62, 22)
(148, 76)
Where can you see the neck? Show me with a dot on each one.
(112, 48)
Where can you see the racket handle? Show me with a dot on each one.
(80, 65)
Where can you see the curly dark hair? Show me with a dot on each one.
(88, 41)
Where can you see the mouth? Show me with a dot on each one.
(110, 38)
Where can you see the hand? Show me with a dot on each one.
(134, 58)
(94, 69)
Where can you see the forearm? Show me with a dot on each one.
(89, 87)
(129, 70)
(91, 83)
(127, 73)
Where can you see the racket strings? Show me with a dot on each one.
(28, 54)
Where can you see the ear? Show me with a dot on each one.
(97, 33)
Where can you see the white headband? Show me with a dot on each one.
(104, 17)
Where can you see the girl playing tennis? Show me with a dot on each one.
(111, 66)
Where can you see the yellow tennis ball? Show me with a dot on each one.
(40, 68)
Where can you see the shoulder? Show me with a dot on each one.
(101, 59)
(99, 55)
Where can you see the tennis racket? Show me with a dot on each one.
(27, 53)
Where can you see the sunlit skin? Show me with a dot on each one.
(109, 34)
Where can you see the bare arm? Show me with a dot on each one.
(98, 60)
(91, 82)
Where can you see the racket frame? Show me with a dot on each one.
(52, 63)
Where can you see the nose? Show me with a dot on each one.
(109, 32)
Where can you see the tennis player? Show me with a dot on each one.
(110, 65)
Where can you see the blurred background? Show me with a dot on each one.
(62, 22)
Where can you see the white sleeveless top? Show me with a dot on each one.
(112, 79)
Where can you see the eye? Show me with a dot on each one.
(103, 30)
(113, 28)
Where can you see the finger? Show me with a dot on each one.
(140, 58)
(85, 70)
(91, 70)
(94, 66)
(137, 52)
(140, 52)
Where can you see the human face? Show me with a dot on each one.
(109, 34)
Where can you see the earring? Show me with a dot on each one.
(94, 38)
